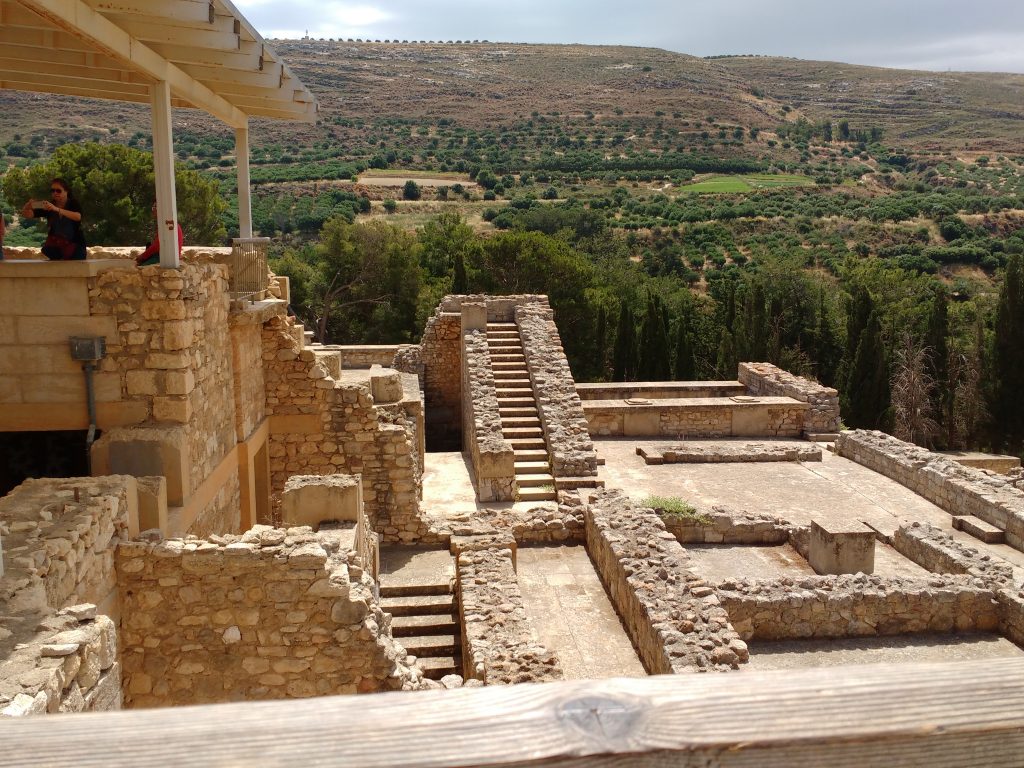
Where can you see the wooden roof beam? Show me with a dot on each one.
(78, 19)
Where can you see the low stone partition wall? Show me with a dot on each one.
(362, 356)
(823, 402)
(938, 552)
(722, 525)
(721, 452)
(272, 613)
(740, 416)
(68, 664)
(499, 644)
(544, 523)
(673, 617)
(858, 605)
(491, 455)
(955, 488)
(1011, 614)
(561, 412)
(657, 390)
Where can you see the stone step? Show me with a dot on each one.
(530, 455)
(499, 326)
(979, 529)
(511, 373)
(430, 645)
(572, 483)
(499, 366)
(522, 444)
(436, 667)
(536, 494)
(412, 626)
(532, 467)
(512, 393)
(501, 357)
(513, 341)
(535, 481)
(499, 333)
(520, 421)
(517, 402)
(519, 411)
(502, 384)
(522, 432)
(411, 590)
(418, 605)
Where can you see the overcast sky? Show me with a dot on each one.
(985, 35)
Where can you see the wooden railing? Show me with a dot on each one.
(955, 714)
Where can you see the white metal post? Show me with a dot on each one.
(163, 165)
(244, 198)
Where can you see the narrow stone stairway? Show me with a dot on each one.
(520, 419)
(416, 589)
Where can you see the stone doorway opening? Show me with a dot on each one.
(41, 454)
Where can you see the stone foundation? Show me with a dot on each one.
(673, 617)
(270, 614)
(498, 641)
(491, 456)
(703, 417)
(938, 552)
(957, 489)
(857, 606)
(727, 452)
(722, 525)
(766, 379)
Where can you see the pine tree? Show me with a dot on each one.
(867, 386)
(624, 353)
(1007, 356)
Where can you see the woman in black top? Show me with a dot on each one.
(63, 214)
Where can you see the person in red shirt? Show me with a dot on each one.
(152, 253)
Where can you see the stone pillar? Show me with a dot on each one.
(474, 316)
(841, 551)
(385, 385)
(314, 499)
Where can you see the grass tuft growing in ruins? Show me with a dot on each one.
(673, 506)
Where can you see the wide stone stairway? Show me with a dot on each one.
(520, 419)
(416, 588)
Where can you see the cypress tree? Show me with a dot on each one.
(1008, 360)
(600, 346)
(624, 352)
(938, 362)
(684, 369)
(726, 365)
(868, 384)
(460, 284)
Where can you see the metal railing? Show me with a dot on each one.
(248, 267)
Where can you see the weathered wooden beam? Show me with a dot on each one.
(956, 714)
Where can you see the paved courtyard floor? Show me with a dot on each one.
(567, 604)
(448, 489)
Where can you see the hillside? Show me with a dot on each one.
(485, 85)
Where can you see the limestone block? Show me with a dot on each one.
(841, 551)
(153, 503)
(313, 499)
(386, 386)
(474, 316)
(147, 452)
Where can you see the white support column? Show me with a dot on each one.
(163, 165)
(244, 198)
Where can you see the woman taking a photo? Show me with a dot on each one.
(64, 240)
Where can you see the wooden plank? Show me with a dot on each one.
(957, 714)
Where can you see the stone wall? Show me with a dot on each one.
(767, 379)
(728, 452)
(320, 426)
(673, 617)
(68, 663)
(955, 488)
(248, 386)
(561, 412)
(857, 605)
(705, 417)
(270, 614)
(937, 551)
(1011, 614)
(441, 358)
(722, 525)
(490, 453)
(499, 644)
(364, 355)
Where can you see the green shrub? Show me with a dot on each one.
(673, 506)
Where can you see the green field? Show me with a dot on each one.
(733, 184)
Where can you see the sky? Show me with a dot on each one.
(959, 35)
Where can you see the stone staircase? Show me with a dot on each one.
(520, 419)
(425, 620)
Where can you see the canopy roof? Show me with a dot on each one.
(211, 57)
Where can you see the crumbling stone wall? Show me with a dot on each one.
(957, 489)
(723, 525)
(66, 663)
(321, 426)
(498, 642)
(270, 614)
(561, 412)
(767, 379)
(673, 617)
(937, 551)
(441, 358)
(490, 453)
(858, 605)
